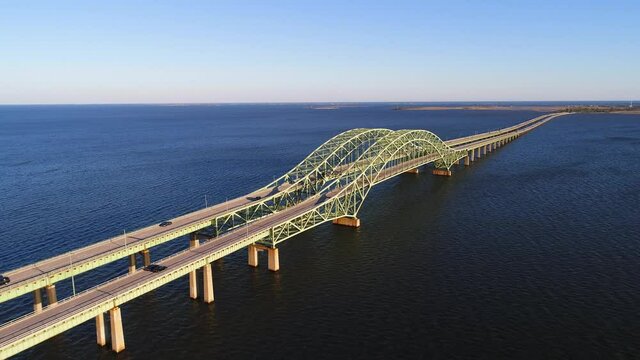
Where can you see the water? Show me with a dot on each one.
(530, 252)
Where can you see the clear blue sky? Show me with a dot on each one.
(281, 51)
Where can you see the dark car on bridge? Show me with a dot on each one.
(165, 223)
(4, 280)
(155, 268)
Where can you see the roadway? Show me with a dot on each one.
(49, 271)
(88, 304)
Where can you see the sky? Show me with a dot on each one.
(317, 51)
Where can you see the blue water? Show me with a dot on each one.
(530, 252)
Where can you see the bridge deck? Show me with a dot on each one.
(33, 328)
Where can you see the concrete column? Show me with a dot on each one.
(101, 334)
(207, 287)
(51, 295)
(146, 257)
(412, 171)
(442, 172)
(253, 255)
(466, 160)
(347, 221)
(471, 155)
(193, 278)
(37, 301)
(132, 263)
(479, 153)
(274, 259)
(489, 147)
(117, 334)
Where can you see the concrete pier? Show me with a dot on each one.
(466, 161)
(193, 278)
(146, 257)
(132, 263)
(51, 295)
(117, 334)
(347, 221)
(101, 333)
(442, 172)
(37, 301)
(253, 255)
(412, 171)
(207, 288)
(274, 259)
(478, 153)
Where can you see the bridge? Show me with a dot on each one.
(330, 184)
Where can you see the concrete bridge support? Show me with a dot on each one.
(471, 156)
(146, 257)
(274, 259)
(478, 153)
(117, 334)
(488, 147)
(193, 278)
(413, 171)
(207, 288)
(101, 334)
(466, 160)
(51, 295)
(442, 172)
(37, 301)
(253, 255)
(347, 221)
(132, 263)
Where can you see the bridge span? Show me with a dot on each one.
(330, 184)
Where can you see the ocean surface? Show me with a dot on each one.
(531, 252)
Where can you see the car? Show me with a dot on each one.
(165, 223)
(4, 280)
(154, 268)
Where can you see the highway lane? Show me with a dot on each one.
(78, 257)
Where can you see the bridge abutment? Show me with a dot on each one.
(442, 172)
(146, 257)
(253, 255)
(52, 297)
(207, 288)
(347, 221)
(101, 334)
(274, 259)
(132, 263)
(193, 277)
(37, 301)
(117, 334)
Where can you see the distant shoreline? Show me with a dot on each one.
(538, 108)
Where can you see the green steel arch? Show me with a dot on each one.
(346, 141)
(305, 179)
(391, 154)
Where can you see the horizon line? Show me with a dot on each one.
(315, 102)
